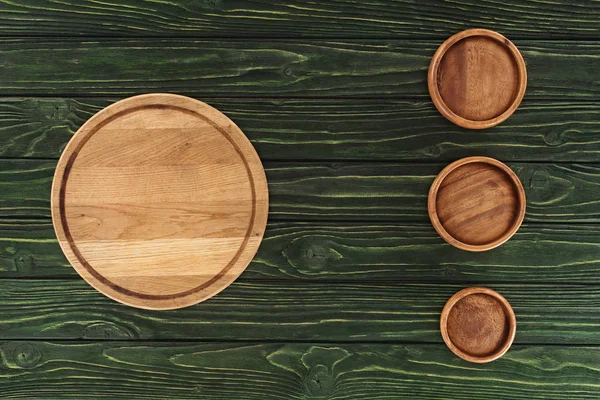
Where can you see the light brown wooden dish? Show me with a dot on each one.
(477, 78)
(159, 201)
(476, 203)
(478, 324)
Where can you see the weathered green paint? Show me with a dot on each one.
(358, 251)
(280, 310)
(333, 95)
(25, 187)
(337, 129)
(299, 18)
(30, 249)
(398, 192)
(559, 70)
(350, 191)
(292, 371)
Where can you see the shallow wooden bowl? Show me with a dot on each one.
(476, 203)
(159, 201)
(477, 78)
(478, 324)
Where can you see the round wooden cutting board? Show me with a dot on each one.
(476, 203)
(477, 78)
(159, 201)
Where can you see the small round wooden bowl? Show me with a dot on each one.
(477, 78)
(476, 203)
(478, 324)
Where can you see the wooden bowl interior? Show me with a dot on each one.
(477, 203)
(478, 78)
(478, 325)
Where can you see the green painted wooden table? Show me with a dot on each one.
(343, 298)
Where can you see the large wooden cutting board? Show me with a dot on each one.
(159, 201)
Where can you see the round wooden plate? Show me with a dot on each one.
(477, 78)
(478, 324)
(159, 201)
(476, 203)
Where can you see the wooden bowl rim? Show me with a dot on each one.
(437, 99)
(439, 227)
(512, 320)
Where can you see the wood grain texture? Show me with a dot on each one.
(28, 184)
(346, 251)
(478, 324)
(337, 129)
(289, 93)
(298, 18)
(30, 248)
(278, 310)
(291, 371)
(350, 191)
(385, 192)
(159, 201)
(477, 78)
(476, 203)
(269, 68)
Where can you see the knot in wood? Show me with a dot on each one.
(26, 356)
(320, 362)
(432, 151)
(450, 271)
(105, 330)
(23, 261)
(539, 180)
(318, 382)
(553, 138)
(311, 253)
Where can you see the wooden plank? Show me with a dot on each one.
(29, 249)
(269, 68)
(353, 251)
(279, 310)
(349, 191)
(398, 192)
(40, 127)
(337, 129)
(299, 18)
(25, 187)
(292, 371)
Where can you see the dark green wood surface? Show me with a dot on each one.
(271, 68)
(358, 251)
(338, 129)
(343, 299)
(282, 371)
(278, 310)
(321, 191)
(299, 18)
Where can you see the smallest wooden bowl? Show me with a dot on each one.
(476, 203)
(478, 324)
(477, 78)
